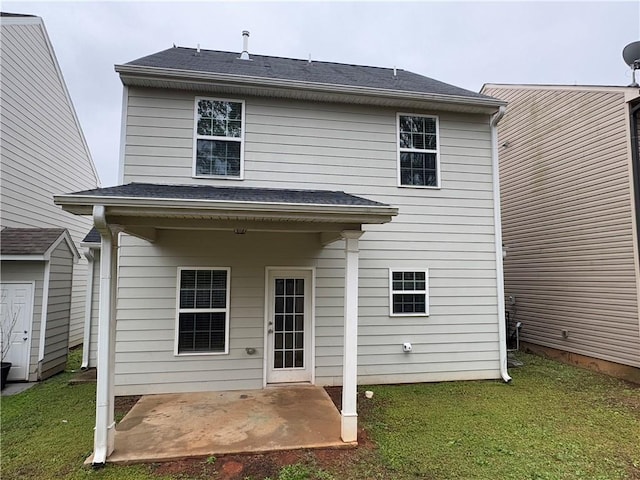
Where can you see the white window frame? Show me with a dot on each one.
(425, 292)
(197, 137)
(413, 150)
(202, 310)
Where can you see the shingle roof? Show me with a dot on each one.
(230, 194)
(92, 237)
(213, 61)
(28, 241)
(7, 14)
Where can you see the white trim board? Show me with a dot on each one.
(265, 357)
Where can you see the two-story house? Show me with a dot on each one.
(286, 221)
(43, 151)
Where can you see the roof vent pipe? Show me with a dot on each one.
(245, 45)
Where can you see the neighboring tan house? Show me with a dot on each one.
(282, 221)
(43, 151)
(569, 169)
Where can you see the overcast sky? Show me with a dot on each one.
(465, 44)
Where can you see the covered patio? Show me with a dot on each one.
(150, 213)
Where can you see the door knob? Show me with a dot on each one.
(270, 330)
(24, 338)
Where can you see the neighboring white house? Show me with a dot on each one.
(570, 169)
(287, 221)
(43, 151)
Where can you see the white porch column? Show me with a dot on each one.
(105, 425)
(350, 356)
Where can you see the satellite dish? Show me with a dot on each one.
(631, 54)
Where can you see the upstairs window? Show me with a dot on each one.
(219, 138)
(203, 310)
(409, 292)
(418, 159)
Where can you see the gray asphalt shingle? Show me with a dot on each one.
(230, 194)
(28, 241)
(213, 61)
(92, 237)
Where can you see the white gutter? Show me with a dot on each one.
(88, 304)
(497, 220)
(105, 425)
(144, 206)
(245, 80)
(225, 205)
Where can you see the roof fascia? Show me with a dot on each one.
(575, 88)
(131, 71)
(21, 21)
(83, 205)
(28, 258)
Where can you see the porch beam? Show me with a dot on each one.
(173, 223)
(327, 238)
(149, 234)
(349, 424)
(105, 424)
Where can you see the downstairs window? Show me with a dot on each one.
(408, 293)
(203, 310)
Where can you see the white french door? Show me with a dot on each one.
(289, 326)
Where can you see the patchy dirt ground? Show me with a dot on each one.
(259, 466)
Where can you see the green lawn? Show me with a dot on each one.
(552, 422)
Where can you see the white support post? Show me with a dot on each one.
(105, 425)
(88, 303)
(349, 430)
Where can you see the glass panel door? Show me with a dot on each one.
(289, 331)
(288, 328)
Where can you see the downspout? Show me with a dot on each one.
(497, 221)
(86, 342)
(104, 430)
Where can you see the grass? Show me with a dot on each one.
(47, 432)
(552, 422)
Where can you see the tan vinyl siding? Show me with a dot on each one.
(42, 149)
(56, 337)
(324, 146)
(567, 220)
(28, 271)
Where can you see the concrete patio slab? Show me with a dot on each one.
(170, 427)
